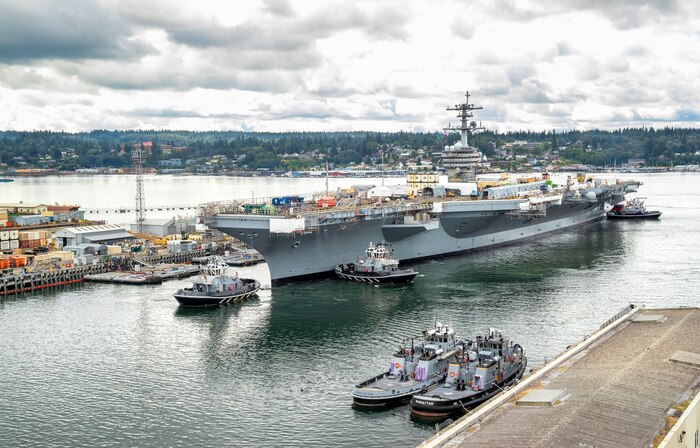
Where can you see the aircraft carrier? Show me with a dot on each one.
(308, 237)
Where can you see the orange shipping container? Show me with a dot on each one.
(326, 201)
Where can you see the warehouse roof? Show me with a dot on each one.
(104, 232)
(108, 236)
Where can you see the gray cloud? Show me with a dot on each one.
(246, 36)
(388, 23)
(461, 27)
(278, 32)
(335, 85)
(81, 29)
(175, 113)
(346, 63)
(270, 43)
(624, 14)
(281, 8)
(15, 77)
(377, 109)
(630, 94)
(627, 14)
(517, 74)
(118, 77)
(565, 49)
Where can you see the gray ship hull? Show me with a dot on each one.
(456, 227)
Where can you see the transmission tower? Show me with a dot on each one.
(137, 157)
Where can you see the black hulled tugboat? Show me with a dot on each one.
(377, 267)
(476, 374)
(634, 209)
(214, 287)
(414, 369)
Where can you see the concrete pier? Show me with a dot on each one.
(615, 388)
(156, 275)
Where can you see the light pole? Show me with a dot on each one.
(381, 153)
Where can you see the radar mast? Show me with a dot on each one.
(461, 160)
(464, 113)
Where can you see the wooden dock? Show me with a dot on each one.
(24, 282)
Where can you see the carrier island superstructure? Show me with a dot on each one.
(302, 237)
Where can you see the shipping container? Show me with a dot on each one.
(326, 201)
(18, 261)
(174, 246)
(59, 254)
(114, 250)
(29, 244)
(29, 235)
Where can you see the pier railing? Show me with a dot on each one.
(620, 313)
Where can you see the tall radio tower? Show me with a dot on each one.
(137, 157)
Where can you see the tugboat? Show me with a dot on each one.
(214, 287)
(413, 370)
(635, 209)
(377, 267)
(481, 371)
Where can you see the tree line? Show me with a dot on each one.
(103, 148)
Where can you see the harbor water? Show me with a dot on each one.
(116, 365)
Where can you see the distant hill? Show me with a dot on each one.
(299, 150)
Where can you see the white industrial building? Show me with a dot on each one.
(104, 234)
(163, 227)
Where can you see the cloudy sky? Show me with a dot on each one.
(386, 65)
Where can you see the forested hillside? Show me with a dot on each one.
(250, 150)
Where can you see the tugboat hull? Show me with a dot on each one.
(441, 408)
(391, 399)
(191, 298)
(382, 402)
(648, 215)
(346, 272)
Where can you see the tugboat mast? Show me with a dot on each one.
(464, 113)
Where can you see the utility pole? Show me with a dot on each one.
(382, 154)
(138, 158)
